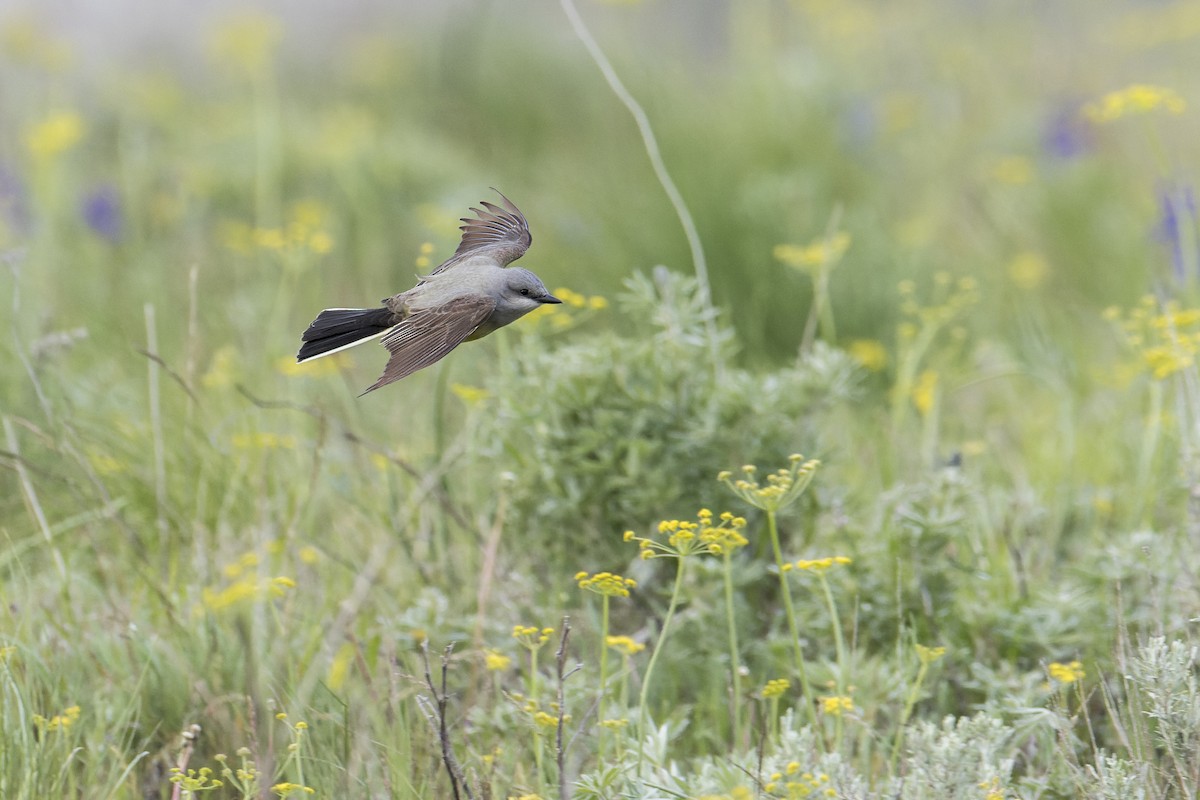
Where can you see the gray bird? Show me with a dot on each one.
(467, 297)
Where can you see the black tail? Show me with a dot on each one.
(337, 328)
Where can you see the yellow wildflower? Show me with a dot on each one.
(1066, 673)
(928, 655)
(54, 135)
(291, 789)
(308, 554)
(821, 565)
(59, 721)
(836, 704)
(776, 687)
(625, 645)
(1139, 98)
(531, 637)
(826, 251)
(1013, 170)
(783, 486)
(870, 353)
(605, 583)
(246, 41)
(495, 661)
(471, 395)
(924, 392)
(339, 666)
(1028, 270)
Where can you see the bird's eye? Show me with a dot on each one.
(525, 292)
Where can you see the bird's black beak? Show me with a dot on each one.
(548, 298)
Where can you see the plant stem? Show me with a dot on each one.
(809, 704)
(603, 675)
(909, 703)
(735, 708)
(658, 646)
(840, 647)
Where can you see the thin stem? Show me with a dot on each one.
(809, 704)
(908, 708)
(735, 708)
(603, 674)
(658, 647)
(839, 646)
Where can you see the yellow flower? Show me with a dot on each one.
(783, 486)
(1013, 170)
(339, 667)
(625, 645)
(544, 720)
(246, 42)
(54, 135)
(870, 353)
(819, 253)
(605, 583)
(471, 395)
(531, 637)
(928, 655)
(1028, 270)
(291, 789)
(1066, 673)
(836, 704)
(821, 565)
(495, 661)
(776, 687)
(59, 721)
(308, 554)
(1139, 98)
(597, 303)
(924, 392)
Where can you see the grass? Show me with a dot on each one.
(994, 365)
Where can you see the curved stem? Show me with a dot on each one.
(603, 674)
(662, 638)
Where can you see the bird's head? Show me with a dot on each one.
(524, 291)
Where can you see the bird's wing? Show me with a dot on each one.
(425, 335)
(500, 232)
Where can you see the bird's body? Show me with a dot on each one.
(467, 297)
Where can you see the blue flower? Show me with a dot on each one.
(101, 210)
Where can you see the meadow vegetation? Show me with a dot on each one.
(904, 505)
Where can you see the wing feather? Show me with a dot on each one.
(425, 336)
(499, 231)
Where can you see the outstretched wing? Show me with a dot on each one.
(499, 231)
(424, 336)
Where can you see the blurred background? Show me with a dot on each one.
(927, 227)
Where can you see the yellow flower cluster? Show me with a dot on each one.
(624, 645)
(246, 590)
(1066, 673)
(870, 353)
(291, 789)
(59, 721)
(532, 637)
(559, 316)
(605, 583)
(614, 724)
(798, 786)
(924, 391)
(1140, 98)
(684, 538)
(776, 687)
(993, 789)
(195, 780)
(951, 298)
(545, 719)
(56, 134)
(834, 705)
(782, 487)
(1166, 340)
(928, 655)
(246, 42)
(495, 661)
(471, 395)
(824, 252)
(817, 565)
(303, 232)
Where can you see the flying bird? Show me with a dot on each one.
(468, 296)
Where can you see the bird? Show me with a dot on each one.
(468, 296)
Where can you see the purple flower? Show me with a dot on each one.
(101, 210)
(1066, 135)
(1177, 227)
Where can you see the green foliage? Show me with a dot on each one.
(618, 427)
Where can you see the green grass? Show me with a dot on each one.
(195, 532)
